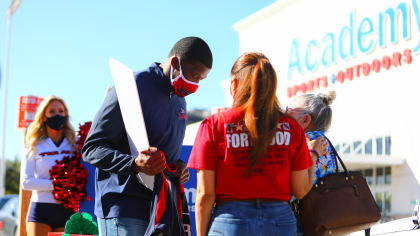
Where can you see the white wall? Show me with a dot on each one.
(405, 188)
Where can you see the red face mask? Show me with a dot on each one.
(182, 86)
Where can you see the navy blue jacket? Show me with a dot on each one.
(118, 193)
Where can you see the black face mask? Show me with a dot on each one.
(56, 122)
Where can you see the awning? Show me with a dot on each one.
(365, 161)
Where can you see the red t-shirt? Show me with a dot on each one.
(223, 144)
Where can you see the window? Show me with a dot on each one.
(387, 145)
(337, 147)
(379, 175)
(369, 176)
(357, 147)
(346, 148)
(379, 146)
(14, 204)
(3, 201)
(368, 147)
(388, 175)
(8, 207)
(379, 201)
(374, 146)
(387, 203)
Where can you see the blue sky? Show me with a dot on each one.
(63, 47)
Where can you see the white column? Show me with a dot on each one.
(6, 78)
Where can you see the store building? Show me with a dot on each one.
(369, 53)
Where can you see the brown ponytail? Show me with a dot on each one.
(256, 96)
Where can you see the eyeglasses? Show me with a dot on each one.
(298, 110)
(290, 109)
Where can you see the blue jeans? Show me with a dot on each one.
(253, 218)
(121, 227)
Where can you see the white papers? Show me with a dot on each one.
(132, 114)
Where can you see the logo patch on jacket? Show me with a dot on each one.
(232, 127)
(182, 114)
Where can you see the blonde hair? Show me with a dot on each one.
(37, 130)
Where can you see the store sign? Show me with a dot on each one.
(26, 110)
(361, 35)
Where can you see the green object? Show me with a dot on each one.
(81, 224)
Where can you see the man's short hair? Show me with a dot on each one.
(193, 49)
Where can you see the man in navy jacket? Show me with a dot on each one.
(122, 203)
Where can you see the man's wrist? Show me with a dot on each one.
(135, 168)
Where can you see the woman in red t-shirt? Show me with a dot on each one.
(250, 159)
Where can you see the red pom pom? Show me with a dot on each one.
(70, 176)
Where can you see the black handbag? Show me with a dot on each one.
(337, 204)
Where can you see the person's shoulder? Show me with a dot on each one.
(315, 134)
(42, 144)
(144, 74)
(288, 122)
(210, 120)
(152, 70)
(220, 117)
(149, 78)
(232, 115)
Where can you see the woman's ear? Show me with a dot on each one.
(307, 119)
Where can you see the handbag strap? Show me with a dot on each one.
(337, 157)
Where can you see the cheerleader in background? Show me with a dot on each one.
(48, 139)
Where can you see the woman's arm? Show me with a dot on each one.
(318, 148)
(206, 196)
(105, 139)
(301, 181)
(28, 179)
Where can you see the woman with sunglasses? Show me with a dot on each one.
(250, 159)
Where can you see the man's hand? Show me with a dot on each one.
(183, 173)
(150, 162)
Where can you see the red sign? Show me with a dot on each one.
(26, 110)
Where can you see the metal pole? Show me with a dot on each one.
(6, 78)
